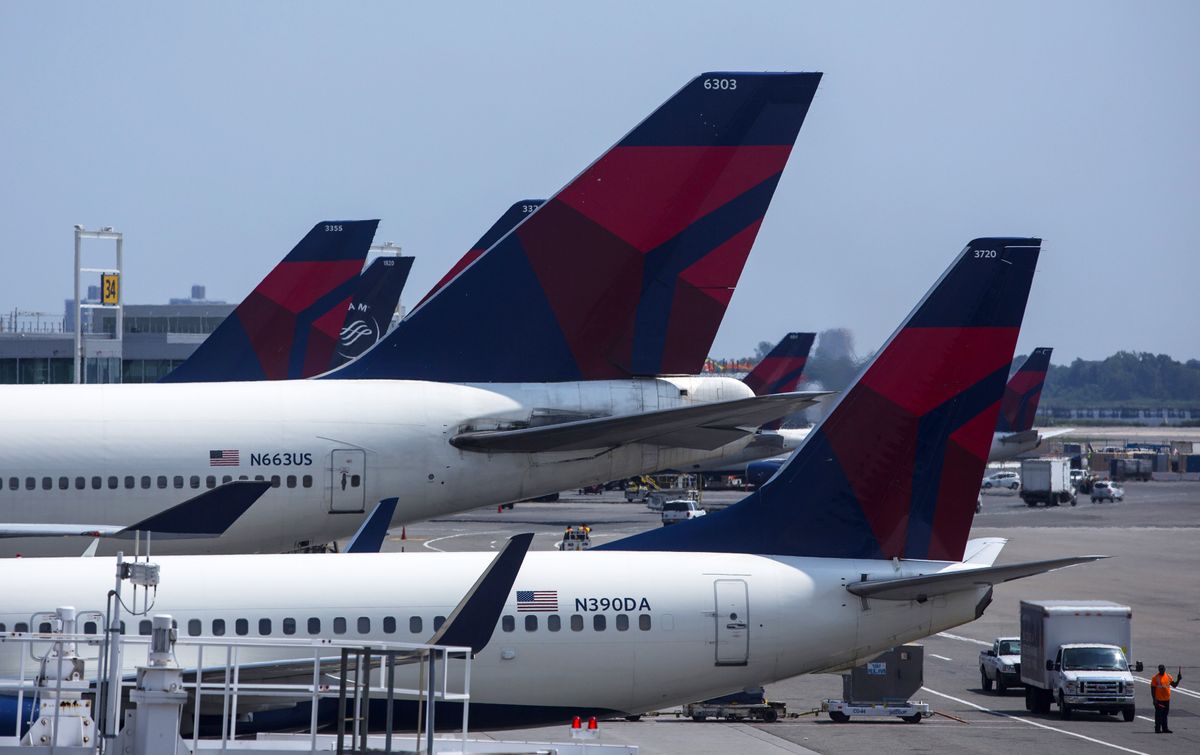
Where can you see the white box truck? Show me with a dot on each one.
(1046, 481)
(1075, 654)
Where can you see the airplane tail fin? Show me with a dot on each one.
(893, 470)
(1023, 392)
(780, 370)
(506, 222)
(289, 324)
(629, 268)
(370, 313)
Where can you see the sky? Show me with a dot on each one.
(214, 135)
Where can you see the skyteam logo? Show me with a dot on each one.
(354, 331)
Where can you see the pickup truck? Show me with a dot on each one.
(1001, 665)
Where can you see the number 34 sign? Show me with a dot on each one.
(110, 288)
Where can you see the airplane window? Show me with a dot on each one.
(364, 625)
(194, 481)
(145, 482)
(64, 483)
(129, 482)
(241, 627)
(599, 622)
(178, 482)
(339, 625)
(144, 627)
(47, 483)
(644, 622)
(45, 628)
(162, 481)
(354, 480)
(2, 627)
(389, 624)
(508, 623)
(112, 482)
(307, 480)
(96, 482)
(80, 483)
(553, 622)
(30, 483)
(243, 477)
(218, 627)
(414, 624)
(210, 482)
(622, 622)
(20, 626)
(289, 626)
(264, 626)
(530, 623)
(259, 478)
(193, 627)
(576, 623)
(274, 480)
(438, 621)
(314, 626)
(89, 627)
(291, 481)
(14, 483)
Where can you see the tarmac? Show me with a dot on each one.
(1153, 566)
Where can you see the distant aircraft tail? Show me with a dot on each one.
(780, 370)
(1023, 392)
(629, 268)
(508, 221)
(375, 301)
(289, 324)
(893, 470)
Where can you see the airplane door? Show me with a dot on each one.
(347, 483)
(733, 622)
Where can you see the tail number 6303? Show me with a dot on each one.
(720, 83)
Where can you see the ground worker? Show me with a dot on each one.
(1160, 690)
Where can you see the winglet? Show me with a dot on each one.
(473, 620)
(209, 514)
(369, 538)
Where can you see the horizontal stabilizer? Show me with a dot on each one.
(956, 580)
(473, 620)
(369, 538)
(207, 515)
(705, 426)
(1047, 434)
(1020, 438)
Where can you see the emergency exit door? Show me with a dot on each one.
(347, 480)
(733, 622)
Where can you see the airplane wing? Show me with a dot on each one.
(704, 426)
(206, 515)
(925, 586)
(1055, 432)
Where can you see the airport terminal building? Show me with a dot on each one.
(37, 347)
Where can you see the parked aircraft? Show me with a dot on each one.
(289, 325)
(652, 272)
(370, 313)
(856, 545)
(1015, 434)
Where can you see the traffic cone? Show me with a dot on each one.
(404, 533)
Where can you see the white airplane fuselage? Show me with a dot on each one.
(713, 623)
(115, 454)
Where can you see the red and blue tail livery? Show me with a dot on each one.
(626, 271)
(781, 369)
(893, 470)
(1023, 392)
(370, 313)
(508, 221)
(289, 325)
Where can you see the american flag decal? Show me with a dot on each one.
(537, 600)
(223, 459)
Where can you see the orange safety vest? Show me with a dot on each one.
(1160, 685)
